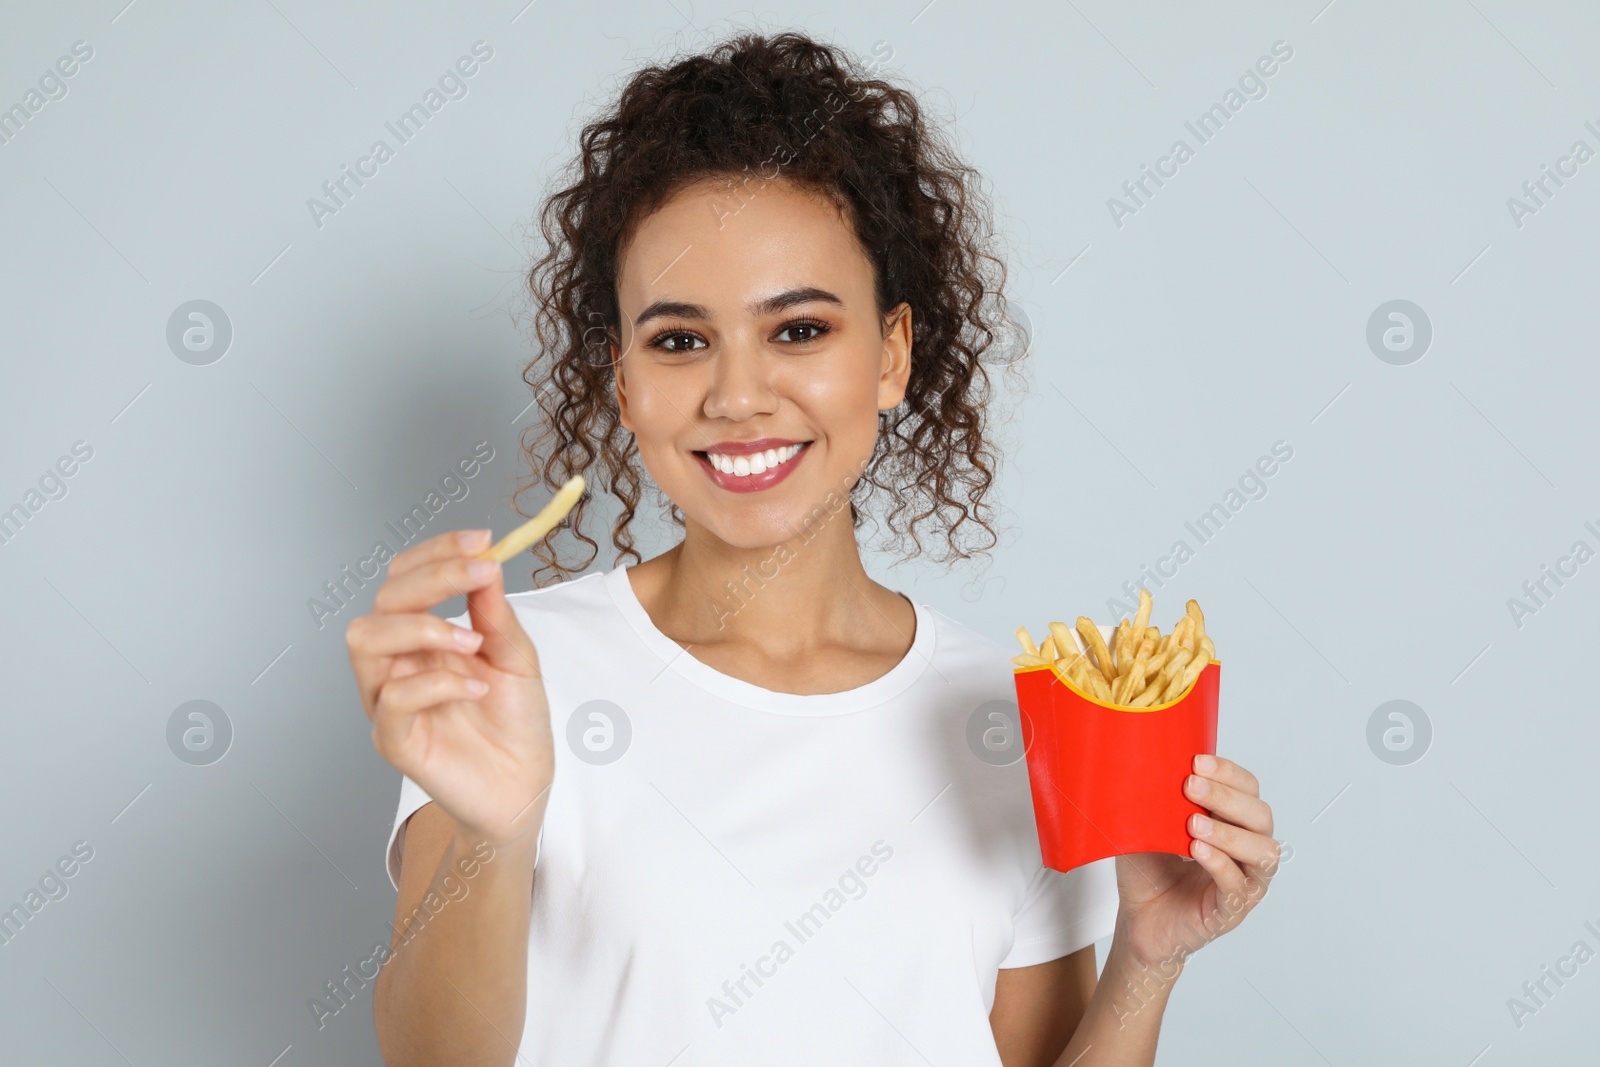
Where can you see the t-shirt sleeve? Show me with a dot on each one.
(413, 797)
(1064, 911)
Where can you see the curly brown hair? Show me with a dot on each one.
(752, 105)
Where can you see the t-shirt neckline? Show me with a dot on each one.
(746, 694)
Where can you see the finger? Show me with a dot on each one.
(434, 549)
(1243, 809)
(1227, 772)
(374, 636)
(430, 584)
(506, 645)
(416, 663)
(403, 699)
(383, 646)
(392, 646)
(1230, 880)
(1253, 850)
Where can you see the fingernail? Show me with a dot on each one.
(467, 638)
(472, 540)
(1202, 825)
(479, 569)
(1199, 786)
(1201, 850)
(1205, 764)
(476, 687)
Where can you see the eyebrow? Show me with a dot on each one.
(768, 306)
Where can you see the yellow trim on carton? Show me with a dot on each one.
(1112, 707)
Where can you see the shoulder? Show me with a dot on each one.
(968, 668)
(958, 643)
(552, 597)
(574, 602)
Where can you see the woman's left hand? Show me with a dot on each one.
(1170, 906)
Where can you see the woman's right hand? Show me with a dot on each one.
(462, 713)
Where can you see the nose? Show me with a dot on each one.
(741, 384)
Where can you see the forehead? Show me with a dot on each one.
(721, 242)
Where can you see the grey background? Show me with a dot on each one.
(1228, 313)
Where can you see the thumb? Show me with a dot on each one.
(506, 645)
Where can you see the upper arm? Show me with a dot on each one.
(1037, 1009)
(427, 835)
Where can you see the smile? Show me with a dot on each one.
(754, 471)
(755, 463)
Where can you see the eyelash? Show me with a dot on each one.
(819, 331)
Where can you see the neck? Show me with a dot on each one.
(795, 594)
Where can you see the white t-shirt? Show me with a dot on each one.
(762, 877)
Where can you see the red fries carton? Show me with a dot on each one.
(1108, 780)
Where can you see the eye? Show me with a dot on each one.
(666, 338)
(817, 329)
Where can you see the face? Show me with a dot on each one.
(754, 362)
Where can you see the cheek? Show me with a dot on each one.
(840, 393)
(658, 405)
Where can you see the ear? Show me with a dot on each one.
(620, 385)
(895, 367)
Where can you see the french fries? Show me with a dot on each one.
(1140, 668)
(541, 524)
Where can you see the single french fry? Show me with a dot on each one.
(1141, 618)
(1048, 650)
(541, 524)
(1148, 695)
(1135, 687)
(1159, 659)
(1183, 680)
(1180, 659)
(1097, 645)
(1123, 678)
(1066, 645)
(1192, 608)
(1026, 659)
(1102, 688)
(1182, 633)
(1141, 667)
(1207, 649)
(1130, 672)
(1025, 639)
(1072, 660)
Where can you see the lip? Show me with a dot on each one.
(753, 483)
(745, 448)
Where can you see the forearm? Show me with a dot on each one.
(454, 989)
(1123, 1020)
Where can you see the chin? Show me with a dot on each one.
(761, 526)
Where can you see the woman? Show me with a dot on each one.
(718, 807)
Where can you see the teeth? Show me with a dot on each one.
(755, 463)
